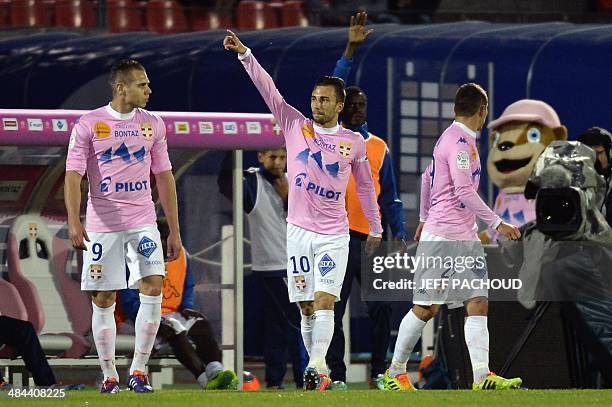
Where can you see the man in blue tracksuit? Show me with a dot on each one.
(354, 117)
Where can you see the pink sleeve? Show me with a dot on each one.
(461, 177)
(284, 113)
(362, 172)
(160, 162)
(78, 148)
(425, 193)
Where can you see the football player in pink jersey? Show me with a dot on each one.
(320, 157)
(118, 146)
(449, 206)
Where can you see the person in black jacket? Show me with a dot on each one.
(22, 336)
(600, 140)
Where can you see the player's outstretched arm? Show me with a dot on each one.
(166, 187)
(284, 113)
(72, 199)
(357, 34)
(231, 42)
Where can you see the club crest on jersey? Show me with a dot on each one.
(300, 282)
(95, 271)
(146, 129)
(307, 131)
(326, 264)
(146, 247)
(345, 148)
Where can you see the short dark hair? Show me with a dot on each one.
(121, 69)
(596, 136)
(354, 90)
(164, 229)
(336, 83)
(469, 98)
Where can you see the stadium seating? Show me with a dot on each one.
(32, 270)
(201, 19)
(256, 15)
(27, 13)
(124, 16)
(5, 13)
(165, 16)
(75, 14)
(293, 14)
(604, 5)
(11, 304)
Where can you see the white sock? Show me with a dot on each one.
(212, 368)
(409, 333)
(147, 323)
(477, 341)
(322, 333)
(104, 332)
(306, 327)
(202, 380)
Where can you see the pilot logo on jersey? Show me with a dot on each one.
(345, 148)
(146, 129)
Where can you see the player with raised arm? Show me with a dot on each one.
(118, 146)
(320, 156)
(449, 206)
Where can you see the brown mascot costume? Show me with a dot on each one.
(516, 139)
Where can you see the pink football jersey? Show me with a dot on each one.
(319, 163)
(118, 152)
(449, 197)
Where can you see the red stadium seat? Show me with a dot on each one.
(166, 16)
(256, 15)
(203, 19)
(124, 16)
(75, 14)
(27, 13)
(604, 5)
(5, 13)
(293, 14)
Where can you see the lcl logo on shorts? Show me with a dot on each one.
(95, 271)
(146, 247)
(326, 264)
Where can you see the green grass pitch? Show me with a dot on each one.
(352, 398)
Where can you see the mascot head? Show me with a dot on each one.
(517, 138)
